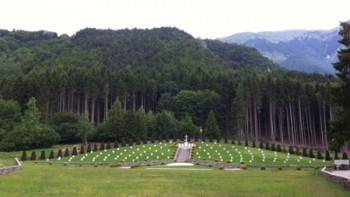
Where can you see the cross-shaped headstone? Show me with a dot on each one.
(186, 136)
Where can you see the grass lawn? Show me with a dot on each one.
(59, 180)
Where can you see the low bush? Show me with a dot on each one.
(33, 156)
(115, 165)
(319, 155)
(95, 148)
(305, 152)
(298, 167)
(244, 167)
(74, 152)
(59, 153)
(221, 167)
(51, 156)
(311, 153)
(66, 152)
(345, 156)
(82, 149)
(279, 168)
(42, 155)
(279, 149)
(273, 147)
(262, 167)
(24, 156)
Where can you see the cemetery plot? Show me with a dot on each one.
(236, 154)
(137, 153)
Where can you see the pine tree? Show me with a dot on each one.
(109, 145)
(279, 149)
(82, 149)
(52, 155)
(261, 145)
(59, 153)
(328, 157)
(273, 148)
(345, 156)
(340, 132)
(66, 153)
(212, 128)
(102, 146)
(116, 144)
(42, 155)
(311, 153)
(305, 152)
(95, 148)
(319, 155)
(74, 152)
(33, 156)
(88, 148)
(336, 156)
(24, 156)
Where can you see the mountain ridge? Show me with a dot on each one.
(302, 50)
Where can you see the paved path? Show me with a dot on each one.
(343, 173)
(183, 155)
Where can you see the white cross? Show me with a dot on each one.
(186, 136)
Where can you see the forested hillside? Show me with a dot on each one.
(158, 83)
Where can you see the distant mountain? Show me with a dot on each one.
(308, 51)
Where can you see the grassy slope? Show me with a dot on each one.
(59, 180)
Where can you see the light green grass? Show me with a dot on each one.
(159, 151)
(231, 152)
(59, 180)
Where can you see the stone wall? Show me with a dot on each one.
(7, 170)
(343, 181)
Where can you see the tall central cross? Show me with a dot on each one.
(186, 136)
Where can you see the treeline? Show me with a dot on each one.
(157, 71)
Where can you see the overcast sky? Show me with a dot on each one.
(200, 18)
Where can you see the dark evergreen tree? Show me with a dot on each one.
(297, 151)
(109, 145)
(33, 156)
(267, 146)
(273, 148)
(261, 145)
(291, 150)
(42, 155)
(123, 142)
(253, 145)
(305, 152)
(336, 156)
(345, 156)
(74, 152)
(225, 140)
(95, 148)
(279, 149)
(82, 149)
(233, 140)
(88, 148)
(212, 128)
(246, 142)
(59, 153)
(52, 155)
(66, 153)
(319, 155)
(328, 157)
(311, 153)
(116, 144)
(102, 146)
(24, 156)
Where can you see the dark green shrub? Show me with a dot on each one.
(116, 144)
(109, 145)
(33, 156)
(262, 167)
(279, 149)
(261, 145)
(279, 168)
(284, 149)
(221, 167)
(211, 139)
(291, 150)
(273, 148)
(131, 142)
(59, 153)
(226, 140)
(305, 152)
(233, 140)
(66, 153)
(88, 148)
(345, 156)
(52, 155)
(82, 149)
(42, 155)
(123, 142)
(297, 151)
(24, 156)
(239, 142)
(319, 155)
(152, 140)
(328, 157)
(267, 146)
(102, 146)
(95, 148)
(336, 156)
(298, 167)
(244, 167)
(138, 141)
(253, 145)
(74, 152)
(246, 142)
(311, 153)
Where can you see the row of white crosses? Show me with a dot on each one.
(123, 155)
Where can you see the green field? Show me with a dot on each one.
(59, 180)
